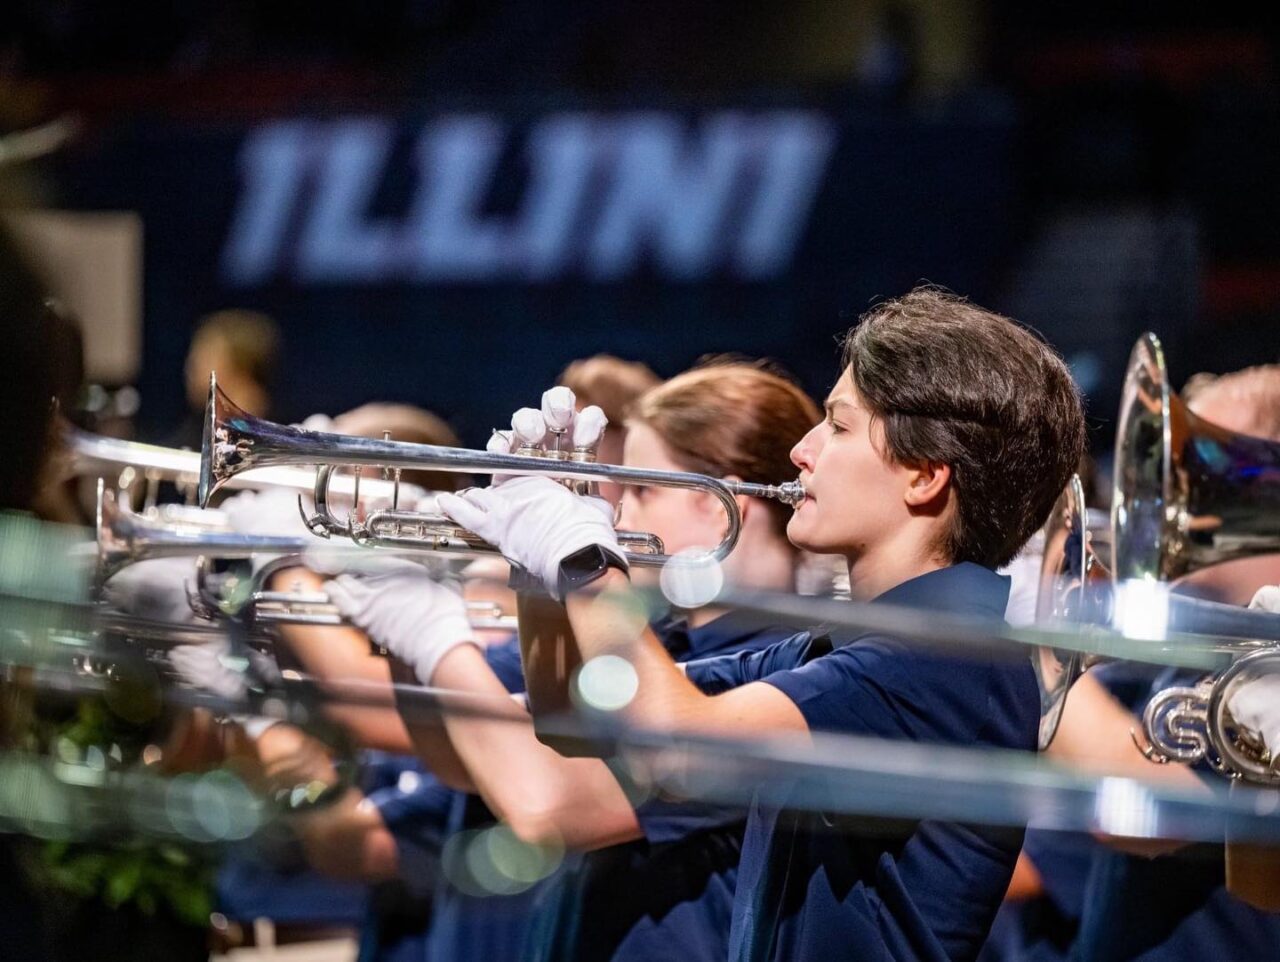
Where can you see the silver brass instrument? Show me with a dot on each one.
(315, 608)
(1068, 566)
(1189, 494)
(131, 461)
(124, 538)
(235, 442)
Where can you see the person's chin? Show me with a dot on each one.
(800, 532)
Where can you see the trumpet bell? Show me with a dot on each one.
(1187, 493)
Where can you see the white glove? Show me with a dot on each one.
(208, 668)
(272, 512)
(203, 667)
(1255, 705)
(535, 523)
(155, 589)
(557, 426)
(1267, 598)
(404, 611)
(317, 422)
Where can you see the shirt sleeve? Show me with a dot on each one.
(723, 672)
(504, 658)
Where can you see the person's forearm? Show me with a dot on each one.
(349, 840)
(548, 653)
(337, 655)
(540, 794)
(612, 620)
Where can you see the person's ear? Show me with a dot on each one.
(713, 509)
(927, 484)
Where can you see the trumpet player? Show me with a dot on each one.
(730, 419)
(947, 438)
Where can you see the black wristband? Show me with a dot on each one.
(585, 566)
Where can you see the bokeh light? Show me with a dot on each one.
(691, 579)
(607, 683)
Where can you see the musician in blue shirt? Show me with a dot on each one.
(948, 436)
(658, 874)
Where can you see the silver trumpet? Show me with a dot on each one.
(315, 608)
(131, 462)
(235, 442)
(124, 538)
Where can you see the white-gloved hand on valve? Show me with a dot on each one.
(535, 523)
(405, 611)
(1255, 705)
(557, 426)
(208, 667)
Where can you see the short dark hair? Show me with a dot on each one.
(956, 384)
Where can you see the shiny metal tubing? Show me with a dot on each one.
(235, 442)
(124, 538)
(97, 454)
(315, 608)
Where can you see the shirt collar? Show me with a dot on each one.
(965, 587)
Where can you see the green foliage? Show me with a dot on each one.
(150, 874)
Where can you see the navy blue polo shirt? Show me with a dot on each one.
(670, 893)
(812, 886)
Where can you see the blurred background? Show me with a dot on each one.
(443, 202)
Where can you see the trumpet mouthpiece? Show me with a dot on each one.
(791, 492)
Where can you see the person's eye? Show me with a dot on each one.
(835, 428)
(639, 490)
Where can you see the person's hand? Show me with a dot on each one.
(1267, 598)
(406, 612)
(272, 512)
(206, 668)
(156, 589)
(1255, 706)
(535, 523)
(556, 427)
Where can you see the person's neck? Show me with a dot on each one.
(762, 565)
(873, 572)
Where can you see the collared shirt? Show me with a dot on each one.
(813, 887)
(669, 894)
